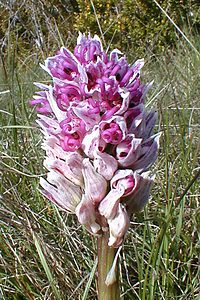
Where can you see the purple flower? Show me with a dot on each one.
(97, 136)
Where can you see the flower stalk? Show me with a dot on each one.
(106, 256)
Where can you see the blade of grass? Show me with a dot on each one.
(87, 288)
(46, 268)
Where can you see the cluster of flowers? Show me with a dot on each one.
(97, 136)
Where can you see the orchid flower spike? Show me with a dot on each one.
(98, 136)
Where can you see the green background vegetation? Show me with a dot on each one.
(44, 253)
(134, 26)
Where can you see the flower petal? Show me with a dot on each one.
(108, 206)
(140, 194)
(95, 184)
(128, 151)
(51, 145)
(60, 115)
(122, 184)
(105, 164)
(114, 130)
(125, 102)
(148, 154)
(134, 117)
(91, 142)
(85, 212)
(49, 126)
(151, 119)
(118, 227)
(61, 191)
(82, 110)
(71, 168)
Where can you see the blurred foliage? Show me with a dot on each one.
(137, 25)
(131, 25)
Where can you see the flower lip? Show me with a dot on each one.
(114, 130)
(112, 133)
(71, 142)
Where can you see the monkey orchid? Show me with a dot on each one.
(99, 144)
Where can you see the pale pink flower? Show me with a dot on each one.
(97, 136)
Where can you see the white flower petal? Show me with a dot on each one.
(105, 164)
(95, 184)
(118, 227)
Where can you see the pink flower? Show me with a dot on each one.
(97, 136)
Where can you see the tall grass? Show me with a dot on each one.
(44, 253)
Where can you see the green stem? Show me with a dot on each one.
(106, 256)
